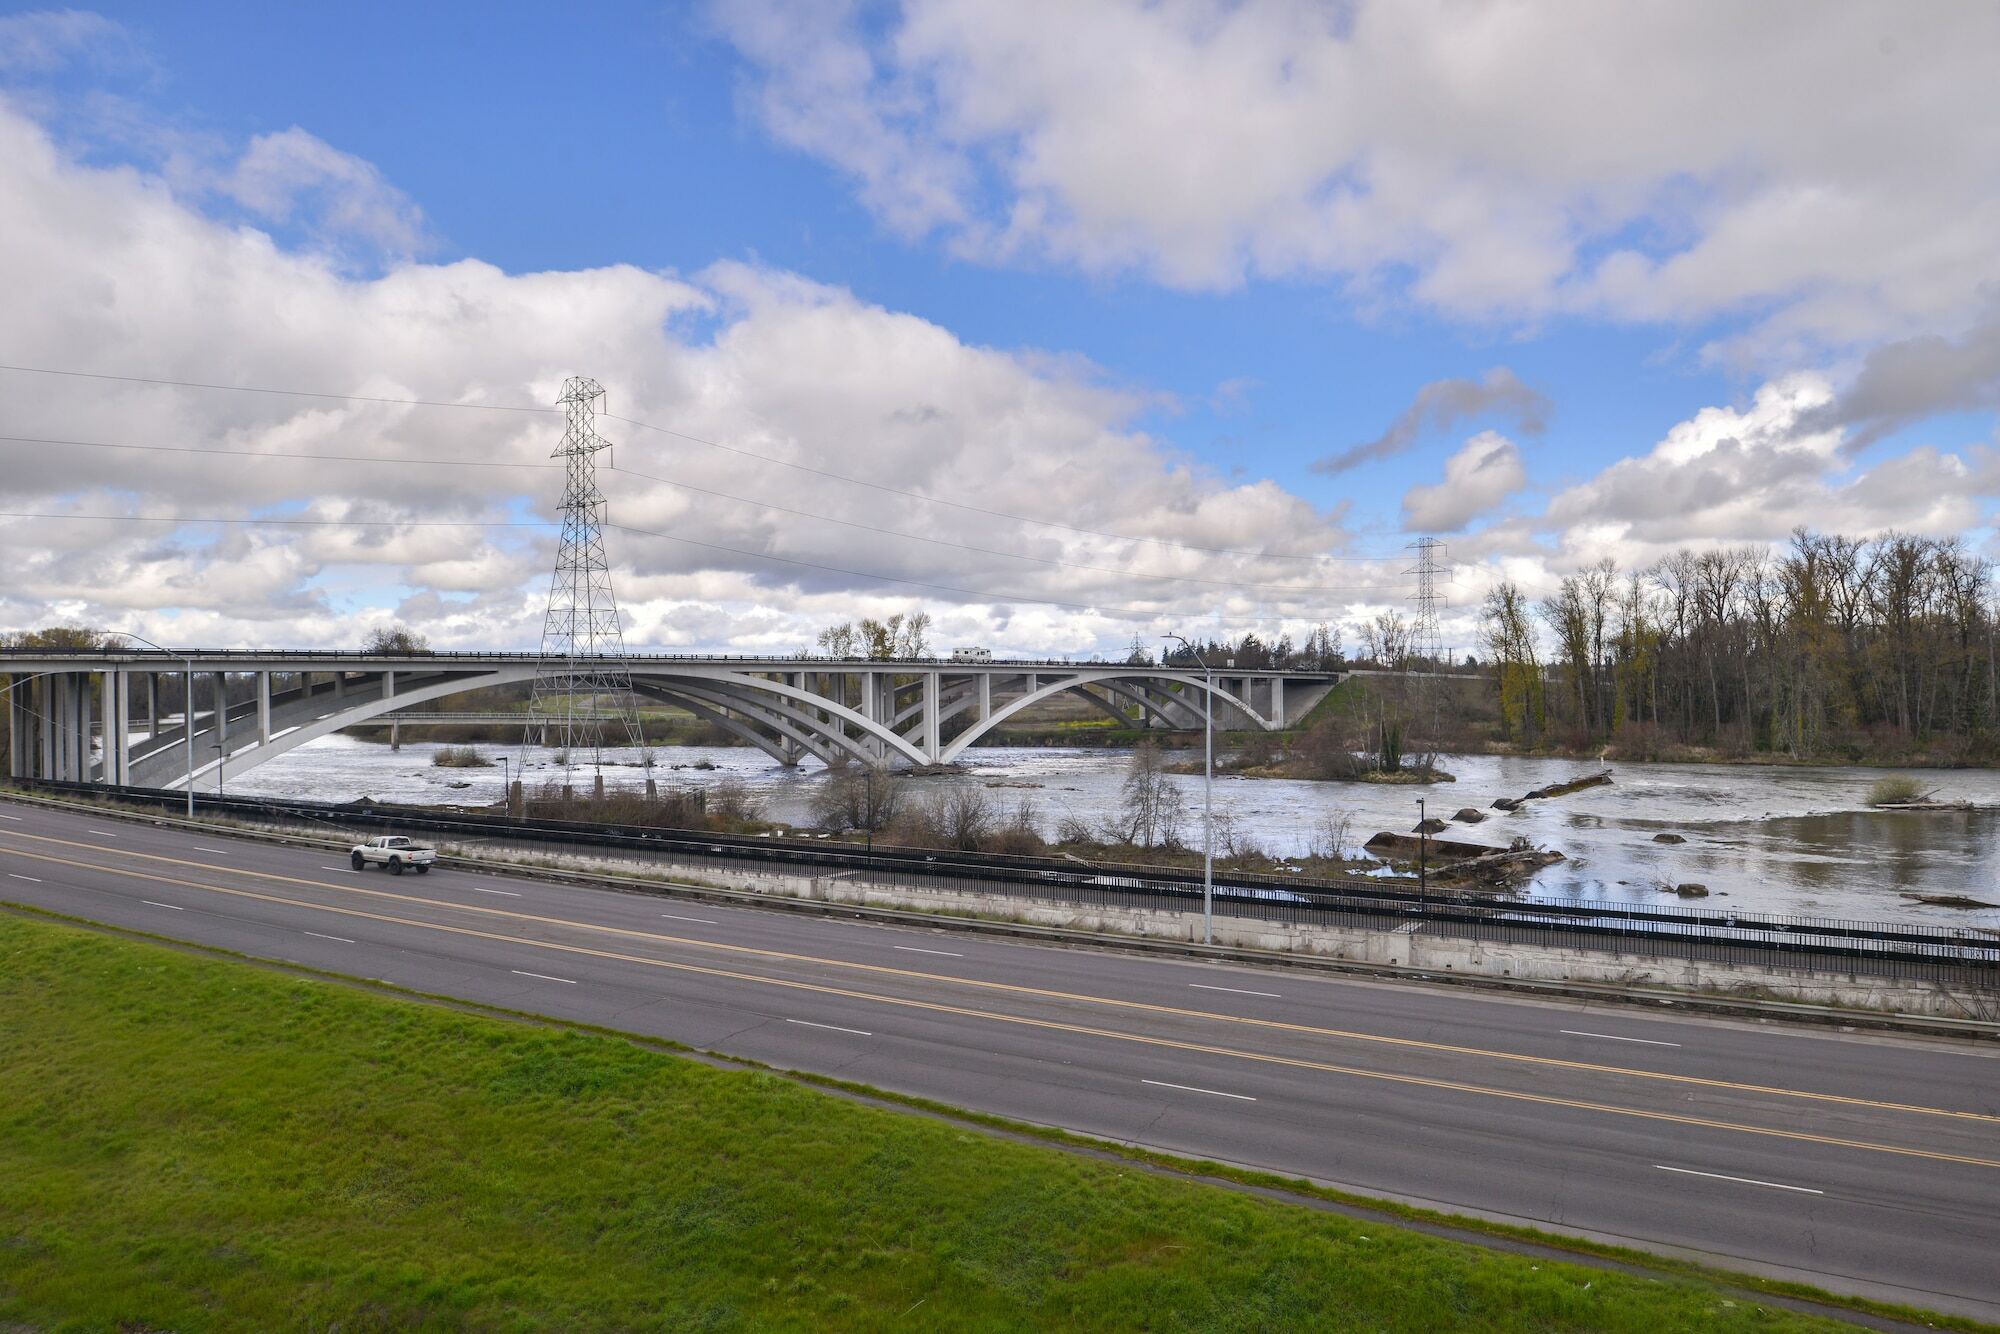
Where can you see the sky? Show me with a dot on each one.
(1068, 324)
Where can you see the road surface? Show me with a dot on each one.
(1861, 1163)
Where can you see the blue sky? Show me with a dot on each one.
(620, 139)
(1252, 339)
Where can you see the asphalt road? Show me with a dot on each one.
(1860, 1163)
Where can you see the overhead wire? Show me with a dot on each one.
(713, 444)
(989, 551)
(985, 595)
(272, 454)
(285, 522)
(979, 509)
(285, 393)
(701, 490)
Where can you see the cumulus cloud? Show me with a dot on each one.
(1443, 404)
(115, 270)
(1753, 474)
(1478, 477)
(1654, 161)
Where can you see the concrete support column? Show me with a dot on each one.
(985, 696)
(55, 706)
(17, 723)
(395, 728)
(117, 728)
(152, 706)
(45, 728)
(1278, 702)
(86, 719)
(263, 707)
(221, 683)
(869, 698)
(931, 710)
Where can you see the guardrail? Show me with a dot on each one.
(1961, 956)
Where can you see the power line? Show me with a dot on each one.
(689, 486)
(700, 440)
(977, 509)
(993, 551)
(269, 454)
(285, 393)
(289, 523)
(985, 595)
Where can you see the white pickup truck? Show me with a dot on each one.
(396, 854)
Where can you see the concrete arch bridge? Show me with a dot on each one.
(124, 717)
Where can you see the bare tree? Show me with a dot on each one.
(1153, 807)
(961, 816)
(395, 639)
(867, 799)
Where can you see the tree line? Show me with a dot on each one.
(1832, 645)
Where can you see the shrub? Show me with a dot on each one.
(1894, 789)
(459, 757)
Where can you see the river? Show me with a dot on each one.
(1767, 838)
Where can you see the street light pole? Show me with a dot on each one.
(1423, 847)
(187, 718)
(1207, 794)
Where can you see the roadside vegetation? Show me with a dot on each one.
(459, 757)
(327, 1158)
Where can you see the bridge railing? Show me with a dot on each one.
(172, 661)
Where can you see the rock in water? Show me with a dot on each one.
(1691, 891)
(1669, 838)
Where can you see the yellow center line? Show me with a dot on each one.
(1011, 988)
(1291, 1062)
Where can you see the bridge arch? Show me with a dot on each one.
(958, 744)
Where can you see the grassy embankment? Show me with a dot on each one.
(190, 1143)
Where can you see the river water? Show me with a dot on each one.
(1767, 838)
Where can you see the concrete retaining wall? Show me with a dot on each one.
(1407, 947)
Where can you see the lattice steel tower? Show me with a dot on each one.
(583, 685)
(1427, 635)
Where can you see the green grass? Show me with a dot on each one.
(189, 1143)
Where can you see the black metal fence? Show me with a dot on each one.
(1961, 956)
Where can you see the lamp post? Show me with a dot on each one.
(1423, 847)
(1207, 793)
(187, 720)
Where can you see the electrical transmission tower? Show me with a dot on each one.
(583, 685)
(1427, 639)
(1427, 635)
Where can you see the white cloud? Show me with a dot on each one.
(112, 269)
(1486, 471)
(293, 174)
(1730, 475)
(43, 40)
(1827, 169)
